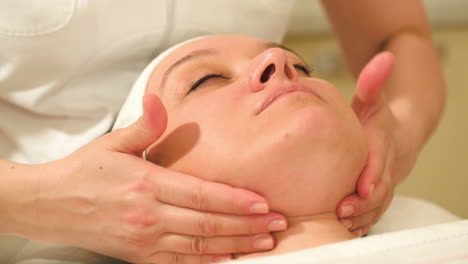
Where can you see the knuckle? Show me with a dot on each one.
(207, 225)
(175, 259)
(198, 199)
(235, 203)
(141, 232)
(141, 221)
(239, 244)
(198, 245)
(152, 176)
(143, 183)
(142, 189)
(140, 244)
(252, 228)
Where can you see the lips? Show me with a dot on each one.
(284, 90)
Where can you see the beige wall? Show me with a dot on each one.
(441, 173)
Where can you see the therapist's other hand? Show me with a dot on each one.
(375, 187)
(104, 197)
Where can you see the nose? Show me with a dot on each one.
(272, 65)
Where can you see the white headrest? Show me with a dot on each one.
(132, 109)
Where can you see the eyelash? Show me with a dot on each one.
(194, 85)
(303, 68)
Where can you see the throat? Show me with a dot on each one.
(306, 232)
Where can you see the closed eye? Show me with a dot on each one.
(197, 83)
(194, 85)
(303, 68)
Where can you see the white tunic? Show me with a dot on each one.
(66, 66)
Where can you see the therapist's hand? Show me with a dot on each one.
(104, 197)
(375, 187)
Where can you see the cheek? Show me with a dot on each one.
(203, 138)
(175, 144)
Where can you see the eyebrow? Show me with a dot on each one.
(191, 56)
(196, 54)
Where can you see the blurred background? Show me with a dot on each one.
(441, 172)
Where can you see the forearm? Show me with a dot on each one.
(415, 91)
(416, 94)
(18, 191)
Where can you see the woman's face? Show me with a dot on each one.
(246, 113)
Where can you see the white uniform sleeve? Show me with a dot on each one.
(67, 66)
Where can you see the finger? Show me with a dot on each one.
(354, 205)
(177, 258)
(190, 192)
(191, 222)
(358, 232)
(361, 231)
(373, 76)
(135, 138)
(374, 168)
(346, 207)
(376, 162)
(362, 220)
(215, 245)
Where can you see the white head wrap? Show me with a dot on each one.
(132, 109)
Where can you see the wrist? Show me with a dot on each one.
(409, 139)
(18, 194)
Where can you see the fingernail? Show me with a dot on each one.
(371, 189)
(347, 223)
(259, 208)
(263, 242)
(347, 210)
(359, 232)
(277, 225)
(222, 258)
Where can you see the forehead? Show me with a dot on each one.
(227, 45)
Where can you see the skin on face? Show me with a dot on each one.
(303, 152)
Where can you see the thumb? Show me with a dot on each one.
(138, 136)
(372, 79)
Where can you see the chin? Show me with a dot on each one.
(306, 153)
(308, 123)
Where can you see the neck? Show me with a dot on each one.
(306, 232)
